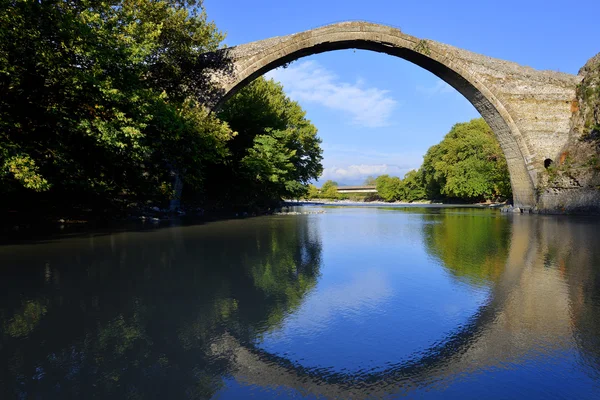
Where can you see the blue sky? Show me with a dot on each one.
(379, 114)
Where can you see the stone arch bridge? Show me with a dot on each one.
(529, 110)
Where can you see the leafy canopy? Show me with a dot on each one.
(467, 164)
(101, 99)
(276, 151)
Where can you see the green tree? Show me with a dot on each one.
(389, 187)
(412, 187)
(313, 192)
(329, 190)
(276, 151)
(467, 164)
(101, 99)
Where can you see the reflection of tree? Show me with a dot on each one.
(558, 254)
(284, 272)
(471, 244)
(26, 319)
(133, 316)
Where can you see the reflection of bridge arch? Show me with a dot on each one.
(493, 337)
(528, 110)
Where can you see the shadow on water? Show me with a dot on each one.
(174, 313)
(51, 232)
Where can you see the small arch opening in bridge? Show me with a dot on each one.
(548, 163)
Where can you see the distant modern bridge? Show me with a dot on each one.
(528, 110)
(357, 189)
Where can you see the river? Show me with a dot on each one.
(356, 302)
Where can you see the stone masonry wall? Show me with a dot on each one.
(572, 183)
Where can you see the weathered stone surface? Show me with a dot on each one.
(575, 200)
(572, 184)
(529, 110)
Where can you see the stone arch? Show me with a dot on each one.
(446, 62)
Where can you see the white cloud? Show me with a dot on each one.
(309, 81)
(351, 165)
(365, 290)
(356, 174)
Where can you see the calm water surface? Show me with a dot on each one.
(354, 303)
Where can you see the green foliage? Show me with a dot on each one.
(412, 187)
(329, 190)
(588, 95)
(389, 187)
(409, 189)
(101, 99)
(276, 151)
(313, 192)
(593, 162)
(24, 170)
(553, 172)
(269, 159)
(468, 164)
(423, 47)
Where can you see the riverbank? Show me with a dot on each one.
(19, 225)
(385, 203)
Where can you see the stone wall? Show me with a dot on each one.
(572, 183)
